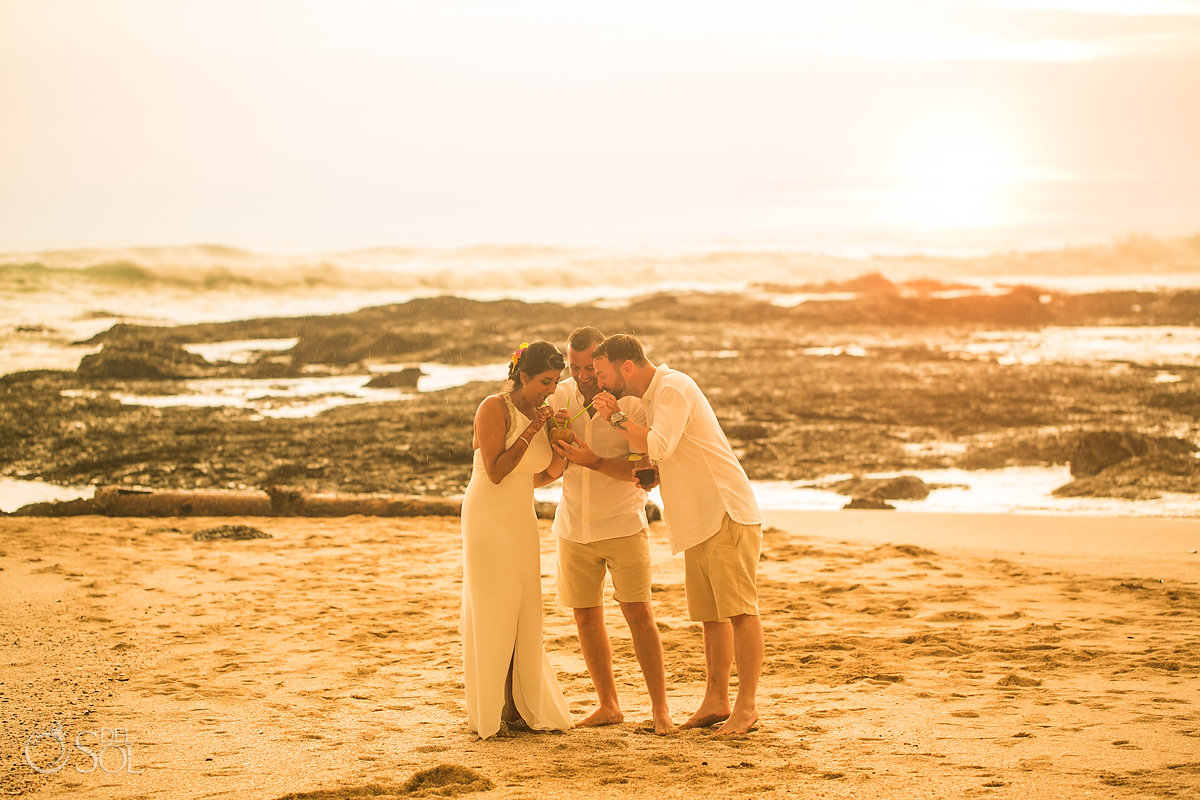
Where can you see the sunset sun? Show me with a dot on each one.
(953, 173)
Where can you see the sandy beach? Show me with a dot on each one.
(324, 662)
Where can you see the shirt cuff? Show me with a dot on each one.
(656, 446)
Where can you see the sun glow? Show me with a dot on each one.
(953, 172)
(302, 125)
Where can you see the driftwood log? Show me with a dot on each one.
(112, 501)
(277, 501)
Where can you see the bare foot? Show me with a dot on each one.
(663, 726)
(706, 717)
(599, 717)
(738, 722)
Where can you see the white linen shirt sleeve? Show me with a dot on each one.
(672, 412)
(633, 408)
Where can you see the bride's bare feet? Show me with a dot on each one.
(664, 726)
(706, 716)
(738, 722)
(601, 716)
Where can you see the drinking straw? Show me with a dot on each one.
(585, 408)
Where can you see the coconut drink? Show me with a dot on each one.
(562, 434)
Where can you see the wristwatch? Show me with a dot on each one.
(617, 420)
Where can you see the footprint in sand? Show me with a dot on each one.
(1013, 679)
(955, 616)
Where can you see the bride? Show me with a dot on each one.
(508, 677)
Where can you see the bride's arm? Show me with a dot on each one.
(491, 429)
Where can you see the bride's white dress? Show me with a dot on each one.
(502, 595)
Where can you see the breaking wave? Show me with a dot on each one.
(516, 267)
(450, 271)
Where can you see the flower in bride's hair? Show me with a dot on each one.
(520, 351)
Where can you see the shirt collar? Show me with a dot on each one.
(658, 373)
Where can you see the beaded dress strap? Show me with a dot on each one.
(514, 421)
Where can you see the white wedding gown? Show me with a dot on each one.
(502, 595)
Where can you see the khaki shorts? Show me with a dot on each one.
(719, 573)
(581, 569)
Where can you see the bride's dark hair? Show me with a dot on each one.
(534, 358)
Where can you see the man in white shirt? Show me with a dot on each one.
(711, 515)
(601, 528)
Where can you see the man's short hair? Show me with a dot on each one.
(584, 338)
(621, 347)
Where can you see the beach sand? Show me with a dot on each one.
(907, 656)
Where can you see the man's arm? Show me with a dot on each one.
(634, 433)
(616, 468)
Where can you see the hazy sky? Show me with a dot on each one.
(293, 125)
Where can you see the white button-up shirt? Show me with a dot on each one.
(700, 477)
(594, 506)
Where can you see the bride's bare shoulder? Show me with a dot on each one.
(492, 406)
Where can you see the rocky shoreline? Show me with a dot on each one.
(793, 408)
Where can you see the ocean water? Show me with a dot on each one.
(293, 398)
(1020, 490)
(16, 493)
(51, 302)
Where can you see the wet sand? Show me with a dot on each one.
(908, 656)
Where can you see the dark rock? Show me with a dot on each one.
(404, 379)
(268, 368)
(1138, 478)
(236, 532)
(1040, 447)
(1183, 401)
(446, 779)
(821, 415)
(932, 286)
(870, 503)
(902, 487)
(426, 329)
(1013, 679)
(872, 283)
(747, 431)
(143, 359)
(58, 508)
(1096, 450)
(868, 283)
(34, 376)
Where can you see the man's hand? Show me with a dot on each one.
(647, 469)
(579, 453)
(605, 404)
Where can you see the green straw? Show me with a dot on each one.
(567, 407)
